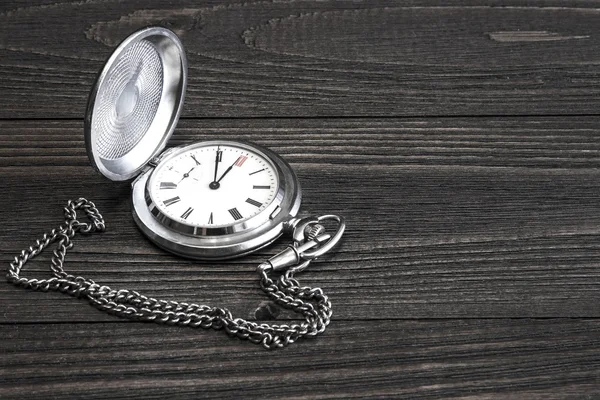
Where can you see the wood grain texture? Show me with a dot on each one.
(459, 138)
(318, 58)
(503, 359)
(447, 217)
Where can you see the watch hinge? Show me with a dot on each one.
(157, 159)
(154, 162)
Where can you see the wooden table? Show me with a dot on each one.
(459, 138)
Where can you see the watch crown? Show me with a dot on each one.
(312, 231)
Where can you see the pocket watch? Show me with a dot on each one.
(209, 200)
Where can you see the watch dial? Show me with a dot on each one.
(214, 186)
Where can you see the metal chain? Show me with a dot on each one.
(285, 291)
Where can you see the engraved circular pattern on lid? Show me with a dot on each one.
(135, 103)
(128, 100)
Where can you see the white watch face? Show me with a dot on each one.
(214, 185)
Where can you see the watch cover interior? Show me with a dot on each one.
(135, 103)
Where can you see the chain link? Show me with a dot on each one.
(284, 291)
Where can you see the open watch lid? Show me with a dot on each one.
(135, 103)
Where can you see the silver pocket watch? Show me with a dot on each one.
(210, 200)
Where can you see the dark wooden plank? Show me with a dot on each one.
(491, 359)
(318, 58)
(458, 217)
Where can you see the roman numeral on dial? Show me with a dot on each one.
(168, 185)
(254, 202)
(235, 214)
(240, 161)
(256, 172)
(169, 202)
(187, 213)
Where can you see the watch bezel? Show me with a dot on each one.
(250, 223)
(220, 242)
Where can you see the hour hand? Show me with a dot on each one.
(238, 163)
(225, 173)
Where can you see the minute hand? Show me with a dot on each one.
(217, 161)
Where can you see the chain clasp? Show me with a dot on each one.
(310, 242)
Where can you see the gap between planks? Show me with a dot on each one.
(334, 117)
